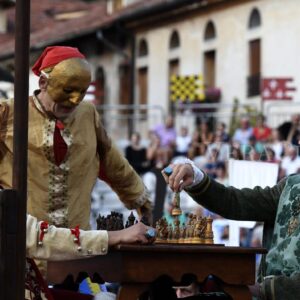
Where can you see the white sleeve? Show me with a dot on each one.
(59, 244)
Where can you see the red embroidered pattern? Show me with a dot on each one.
(76, 232)
(43, 229)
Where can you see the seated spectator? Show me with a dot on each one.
(254, 150)
(270, 155)
(261, 131)
(277, 144)
(221, 130)
(291, 161)
(194, 149)
(153, 148)
(243, 133)
(211, 164)
(222, 147)
(183, 142)
(236, 153)
(206, 135)
(221, 173)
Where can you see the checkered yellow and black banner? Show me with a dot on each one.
(187, 88)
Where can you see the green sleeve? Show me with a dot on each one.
(257, 204)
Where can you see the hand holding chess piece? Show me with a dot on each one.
(178, 176)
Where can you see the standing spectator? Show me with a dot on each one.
(183, 142)
(289, 131)
(136, 154)
(167, 135)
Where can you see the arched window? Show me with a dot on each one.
(255, 19)
(174, 40)
(143, 48)
(210, 31)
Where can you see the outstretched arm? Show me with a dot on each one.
(53, 243)
(258, 204)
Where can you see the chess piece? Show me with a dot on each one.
(176, 211)
(131, 219)
(209, 235)
(182, 234)
(170, 233)
(162, 231)
(176, 230)
(199, 230)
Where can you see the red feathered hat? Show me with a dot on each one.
(51, 56)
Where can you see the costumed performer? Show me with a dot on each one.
(53, 243)
(68, 147)
(278, 207)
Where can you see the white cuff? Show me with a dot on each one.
(198, 174)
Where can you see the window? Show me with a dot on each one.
(143, 87)
(143, 48)
(174, 40)
(209, 68)
(173, 71)
(255, 19)
(210, 31)
(254, 68)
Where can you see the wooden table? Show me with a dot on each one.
(135, 266)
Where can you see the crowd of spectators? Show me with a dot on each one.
(211, 147)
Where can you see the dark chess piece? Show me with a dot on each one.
(131, 219)
(100, 222)
(119, 222)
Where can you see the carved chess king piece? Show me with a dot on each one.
(176, 211)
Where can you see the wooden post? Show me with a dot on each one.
(14, 202)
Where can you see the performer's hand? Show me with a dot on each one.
(131, 235)
(182, 175)
(145, 213)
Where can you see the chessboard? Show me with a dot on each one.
(197, 230)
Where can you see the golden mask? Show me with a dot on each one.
(69, 81)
